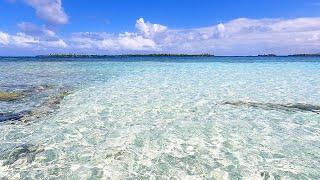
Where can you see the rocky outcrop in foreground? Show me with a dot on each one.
(48, 106)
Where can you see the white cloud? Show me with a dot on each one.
(55, 44)
(49, 10)
(142, 40)
(221, 29)
(110, 42)
(24, 40)
(281, 36)
(32, 37)
(149, 30)
(241, 36)
(35, 30)
(4, 38)
(133, 41)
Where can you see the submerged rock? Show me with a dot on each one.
(28, 151)
(45, 108)
(265, 175)
(13, 93)
(116, 155)
(51, 104)
(283, 107)
(304, 107)
(11, 96)
(13, 116)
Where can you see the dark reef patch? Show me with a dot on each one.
(13, 116)
(282, 107)
(27, 151)
(48, 106)
(11, 96)
(49, 97)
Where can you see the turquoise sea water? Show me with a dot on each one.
(161, 118)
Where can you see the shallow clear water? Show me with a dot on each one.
(164, 117)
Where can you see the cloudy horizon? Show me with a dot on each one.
(238, 36)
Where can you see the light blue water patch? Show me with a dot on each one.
(161, 119)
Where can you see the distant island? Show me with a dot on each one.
(123, 55)
(307, 55)
(161, 55)
(267, 55)
(291, 55)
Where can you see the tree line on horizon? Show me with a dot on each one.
(122, 55)
(159, 55)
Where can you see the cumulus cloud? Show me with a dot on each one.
(281, 36)
(142, 40)
(35, 30)
(133, 41)
(149, 30)
(22, 40)
(4, 38)
(41, 36)
(49, 10)
(221, 29)
(32, 37)
(110, 42)
(241, 36)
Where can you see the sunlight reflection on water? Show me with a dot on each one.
(161, 120)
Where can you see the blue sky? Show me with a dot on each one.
(222, 27)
